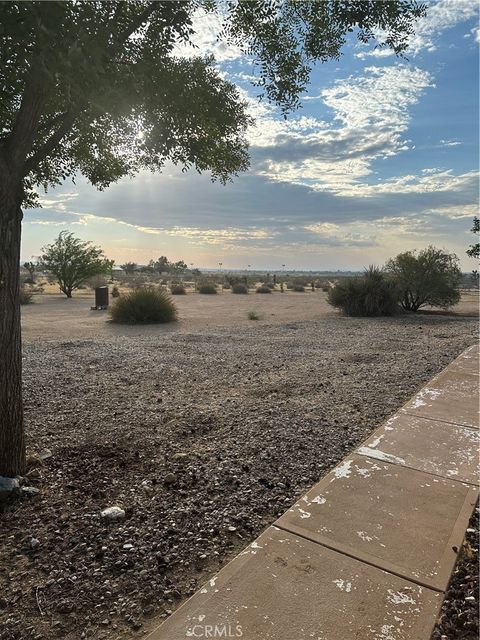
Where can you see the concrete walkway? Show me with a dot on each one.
(368, 552)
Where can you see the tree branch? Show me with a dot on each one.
(42, 152)
(34, 96)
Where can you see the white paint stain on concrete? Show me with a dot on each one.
(380, 455)
(343, 585)
(343, 470)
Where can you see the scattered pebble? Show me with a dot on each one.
(113, 514)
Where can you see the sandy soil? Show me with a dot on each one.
(54, 317)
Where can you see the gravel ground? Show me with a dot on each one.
(203, 438)
(458, 618)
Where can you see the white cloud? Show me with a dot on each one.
(207, 27)
(440, 16)
(449, 143)
(371, 113)
(433, 181)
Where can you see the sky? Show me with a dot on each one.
(381, 158)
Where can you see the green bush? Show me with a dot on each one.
(115, 292)
(25, 296)
(253, 315)
(373, 294)
(226, 286)
(270, 285)
(239, 288)
(264, 289)
(429, 277)
(178, 290)
(207, 287)
(143, 306)
(299, 288)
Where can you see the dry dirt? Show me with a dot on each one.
(204, 432)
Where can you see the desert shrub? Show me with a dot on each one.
(178, 290)
(207, 287)
(239, 288)
(115, 292)
(299, 288)
(25, 296)
(143, 306)
(326, 289)
(253, 315)
(226, 286)
(264, 289)
(373, 294)
(430, 277)
(270, 285)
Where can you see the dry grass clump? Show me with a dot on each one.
(264, 289)
(239, 288)
(178, 290)
(143, 306)
(207, 288)
(25, 296)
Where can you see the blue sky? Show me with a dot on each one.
(381, 158)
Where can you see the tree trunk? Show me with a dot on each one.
(12, 443)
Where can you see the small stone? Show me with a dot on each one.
(112, 514)
(170, 478)
(9, 487)
(34, 543)
(180, 457)
(232, 529)
(30, 491)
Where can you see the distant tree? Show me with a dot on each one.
(430, 277)
(31, 268)
(129, 267)
(149, 268)
(474, 250)
(178, 267)
(162, 265)
(73, 261)
(96, 88)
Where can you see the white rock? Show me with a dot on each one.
(34, 543)
(113, 514)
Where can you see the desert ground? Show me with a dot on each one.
(203, 431)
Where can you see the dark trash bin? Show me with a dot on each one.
(101, 297)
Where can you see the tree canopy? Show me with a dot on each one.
(474, 249)
(103, 79)
(73, 261)
(428, 277)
